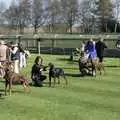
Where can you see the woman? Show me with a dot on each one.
(15, 57)
(91, 50)
(36, 73)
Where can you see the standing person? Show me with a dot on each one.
(4, 55)
(91, 49)
(36, 73)
(83, 46)
(22, 56)
(100, 46)
(15, 57)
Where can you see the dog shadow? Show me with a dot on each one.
(73, 75)
(63, 59)
(2, 92)
(77, 75)
(67, 59)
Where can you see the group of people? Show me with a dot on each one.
(14, 53)
(92, 50)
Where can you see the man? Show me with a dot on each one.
(4, 55)
(100, 46)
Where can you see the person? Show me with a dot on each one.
(22, 56)
(100, 46)
(118, 42)
(36, 72)
(84, 64)
(4, 55)
(91, 49)
(15, 57)
(83, 46)
(4, 50)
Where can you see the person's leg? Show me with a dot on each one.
(43, 77)
(37, 82)
(21, 64)
(16, 66)
(24, 60)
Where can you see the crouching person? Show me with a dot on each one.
(83, 64)
(36, 73)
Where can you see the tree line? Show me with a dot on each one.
(88, 16)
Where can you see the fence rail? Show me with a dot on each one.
(57, 43)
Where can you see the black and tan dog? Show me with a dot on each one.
(56, 73)
(11, 77)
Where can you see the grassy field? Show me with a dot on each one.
(86, 98)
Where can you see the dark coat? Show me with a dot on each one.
(100, 46)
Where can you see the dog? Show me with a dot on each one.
(100, 68)
(56, 73)
(11, 77)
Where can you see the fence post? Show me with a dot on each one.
(37, 38)
(53, 43)
(38, 45)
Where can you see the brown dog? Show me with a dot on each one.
(11, 77)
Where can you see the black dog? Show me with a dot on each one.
(56, 73)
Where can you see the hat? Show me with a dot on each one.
(2, 42)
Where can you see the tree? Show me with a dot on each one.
(39, 15)
(2, 10)
(11, 15)
(69, 12)
(18, 14)
(24, 14)
(116, 13)
(105, 13)
(53, 13)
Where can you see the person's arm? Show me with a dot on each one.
(14, 50)
(7, 53)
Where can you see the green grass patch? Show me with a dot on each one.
(86, 98)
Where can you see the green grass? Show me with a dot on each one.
(86, 98)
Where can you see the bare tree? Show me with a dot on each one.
(116, 12)
(2, 10)
(11, 15)
(53, 12)
(106, 13)
(24, 14)
(69, 10)
(38, 14)
(86, 15)
(18, 14)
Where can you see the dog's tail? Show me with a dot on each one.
(25, 83)
(64, 76)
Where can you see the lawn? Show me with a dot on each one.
(86, 98)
